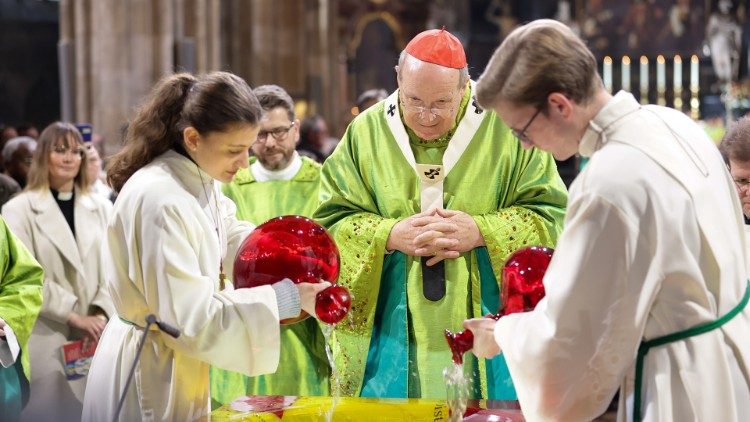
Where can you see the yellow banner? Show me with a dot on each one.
(303, 409)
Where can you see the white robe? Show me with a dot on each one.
(164, 259)
(653, 244)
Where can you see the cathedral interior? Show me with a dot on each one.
(92, 62)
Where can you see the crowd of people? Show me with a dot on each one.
(428, 192)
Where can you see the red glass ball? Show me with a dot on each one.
(522, 278)
(332, 304)
(459, 343)
(291, 246)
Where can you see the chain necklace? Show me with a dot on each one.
(215, 218)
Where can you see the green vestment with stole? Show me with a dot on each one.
(21, 279)
(392, 344)
(303, 366)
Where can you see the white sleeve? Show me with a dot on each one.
(9, 347)
(568, 356)
(214, 325)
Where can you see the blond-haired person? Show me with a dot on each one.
(63, 225)
(652, 247)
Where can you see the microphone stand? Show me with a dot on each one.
(150, 320)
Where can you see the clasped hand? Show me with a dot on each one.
(438, 233)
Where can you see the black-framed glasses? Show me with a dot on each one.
(441, 108)
(521, 135)
(279, 134)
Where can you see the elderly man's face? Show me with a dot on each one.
(430, 97)
(20, 164)
(740, 171)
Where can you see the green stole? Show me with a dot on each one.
(392, 345)
(12, 386)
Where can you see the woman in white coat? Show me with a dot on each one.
(63, 225)
(172, 238)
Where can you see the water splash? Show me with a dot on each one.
(335, 381)
(457, 389)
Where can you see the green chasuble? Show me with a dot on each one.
(303, 366)
(392, 343)
(20, 302)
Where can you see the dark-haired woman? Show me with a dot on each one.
(172, 238)
(64, 225)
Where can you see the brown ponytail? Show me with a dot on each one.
(211, 103)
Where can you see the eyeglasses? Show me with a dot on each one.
(441, 108)
(521, 135)
(279, 134)
(74, 152)
(742, 183)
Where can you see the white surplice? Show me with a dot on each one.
(164, 259)
(653, 244)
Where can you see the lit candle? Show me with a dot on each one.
(661, 79)
(625, 68)
(694, 73)
(644, 75)
(677, 77)
(607, 73)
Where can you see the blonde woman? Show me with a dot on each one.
(64, 226)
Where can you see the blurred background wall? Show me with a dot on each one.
(93, 60)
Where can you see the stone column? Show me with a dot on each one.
(282, 42)
(119, 49)
(115, 50)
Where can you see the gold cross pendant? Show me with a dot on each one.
(222, 277)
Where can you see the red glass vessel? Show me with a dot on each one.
(297, 248)
(522, 289)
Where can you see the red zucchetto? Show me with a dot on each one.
(438, 46)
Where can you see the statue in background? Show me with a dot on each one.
(564, 14)
(500, 13)
(723, 36)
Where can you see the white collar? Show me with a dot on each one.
(64, 196)
(262, 174)
(622, 104)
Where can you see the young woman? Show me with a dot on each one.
(64, 227)
(172, 238)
